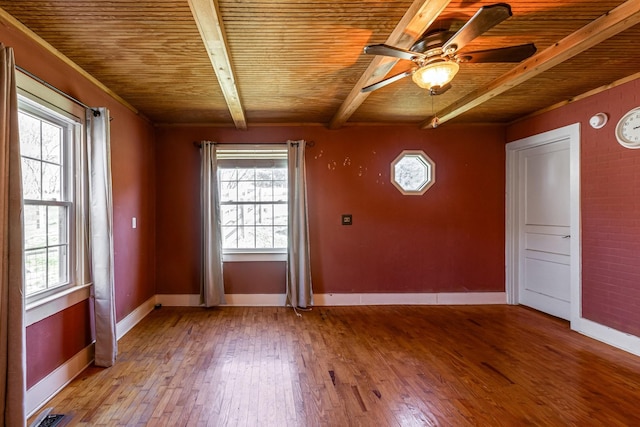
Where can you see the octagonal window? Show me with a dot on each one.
(413, 172)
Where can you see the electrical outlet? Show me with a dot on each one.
(347, 219)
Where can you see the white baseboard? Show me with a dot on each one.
(178, 300)
(627, 342)
(49, 386)
(472, 298)
(239, 300)
(453, 298)
(253, 300)
(125, 325)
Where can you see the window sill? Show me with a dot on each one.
(254, 256)
(46, 307)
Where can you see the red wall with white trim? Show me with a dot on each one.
(451, 239)
(610, 205)
(53, 340)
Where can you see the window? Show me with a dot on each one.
(413, 172)
(253, 199)
(47, 145)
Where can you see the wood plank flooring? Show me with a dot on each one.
(357, 366)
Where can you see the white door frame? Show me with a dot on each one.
(572, 133)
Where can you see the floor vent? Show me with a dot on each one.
(47, 419)
(51, 420)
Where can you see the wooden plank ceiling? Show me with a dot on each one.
(295, 61)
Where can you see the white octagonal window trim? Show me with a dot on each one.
(413, 172)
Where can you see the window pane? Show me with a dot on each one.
(247, 215)
(280, 174)
(264, 237)
(45, 141)
(57, 262)
(264, 174)
(264, 191)
(265, 215)
(35, 226)
(57, 225)
(51, 182)
(29, 129)
(280, 214)
(229, 237)
(280, 237)
(31, 179)
(246, 191)
(35, 270)
(248, 187)
(228, 174)
(280, 191)
(229, 214)
(412, 172)
(246, 174)
(51, 143)
(228, 191)
(246, 237)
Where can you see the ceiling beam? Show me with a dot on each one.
(608, 25)
(207, 17)
(413, 24)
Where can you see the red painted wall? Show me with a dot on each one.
(255, 277)
(49, 344)
(52, 341)
(451, 239)
(610, 198)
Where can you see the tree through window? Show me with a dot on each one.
(45, 141)
(413, 172)
(253, 198)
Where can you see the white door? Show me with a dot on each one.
(544, 249)
(543, 223)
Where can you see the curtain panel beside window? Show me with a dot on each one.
(12, 326)
(299, 286)
(101, 234)
(211, 281)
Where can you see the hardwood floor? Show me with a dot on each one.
(357, 366)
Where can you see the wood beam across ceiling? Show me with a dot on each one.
(207, 17)
(608, 25)
(413, 24)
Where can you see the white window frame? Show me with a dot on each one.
(46, 303)
(66, 245)
(226, 152)
(429, 167)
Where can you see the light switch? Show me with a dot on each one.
(134, 222)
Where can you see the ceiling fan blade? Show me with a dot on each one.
(396, 52)
(484, 19)
(390, 80)
(504, 54)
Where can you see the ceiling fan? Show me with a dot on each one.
(436, 56)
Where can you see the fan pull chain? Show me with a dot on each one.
(434, 121)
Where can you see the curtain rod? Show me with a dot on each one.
(198, 144)
(58, 91)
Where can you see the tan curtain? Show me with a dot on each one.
(12, 327)
(299, 288)
(212, 282)
(101, 235)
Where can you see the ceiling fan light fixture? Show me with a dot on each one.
(435, 74)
